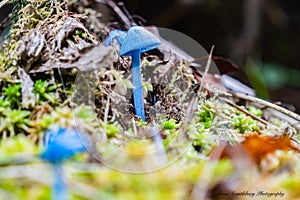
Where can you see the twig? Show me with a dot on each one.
(4, 2)
(206, 69)
(5, 23)
(268, 104)
(193, 104)
(106, 117)
(62, 82)
(119, 12)
(127, 13)
(245, 111)
(134, 127)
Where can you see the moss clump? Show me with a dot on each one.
(170, 124)
(12, 94)
(112, 130)
(44, 91)
(13, 122)
(244, 123)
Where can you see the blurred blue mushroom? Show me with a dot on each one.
(60, 144)
(115, 37)
(137, 41)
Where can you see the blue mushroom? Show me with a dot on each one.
(60, 144)
(137, 41)
(115, 36)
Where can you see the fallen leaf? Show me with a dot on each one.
(255, 146)
(225, 65)
(89, 58)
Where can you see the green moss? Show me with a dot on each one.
(43, 91)
(18, 189)
(255, 111)
(206, 114)
(4, 103)
(15, 146)
(112, 130)
(14, 121)
(141, 123)
(244, 123)
(12, 94)
(93, 181)
(170, 124)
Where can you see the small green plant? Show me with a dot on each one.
(43, 91)
(141, 123)
(255, 111)
(170, 124)
(13, 95)
(4, 103)
(112, 130)
(87, 114)
(244, 123)
(202, 139)
(80, 33)
(206, 115)
(14, 121)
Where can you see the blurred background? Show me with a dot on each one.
(261, 36)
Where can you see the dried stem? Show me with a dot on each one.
(106, 117)
(119, 12)
(245, 111)
(194, 102)
(4, 2)
(267, 104)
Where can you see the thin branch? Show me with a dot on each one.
(127, 13)
(134, 127)
(267, 104)
(119, 12)
(106, 117)
(4, 2)
(206, 69)
(194, 101)
(245, 111)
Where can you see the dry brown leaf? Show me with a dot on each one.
(257, 147)
(89, 58)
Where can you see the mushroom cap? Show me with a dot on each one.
(61, 144)
(138, 38)
(115, 35)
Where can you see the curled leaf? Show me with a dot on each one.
(65, 28)
(89, 58)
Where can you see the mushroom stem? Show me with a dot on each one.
(137, 83)
(59, 187)
(61, 144)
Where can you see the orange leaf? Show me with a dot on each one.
(255, 146)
